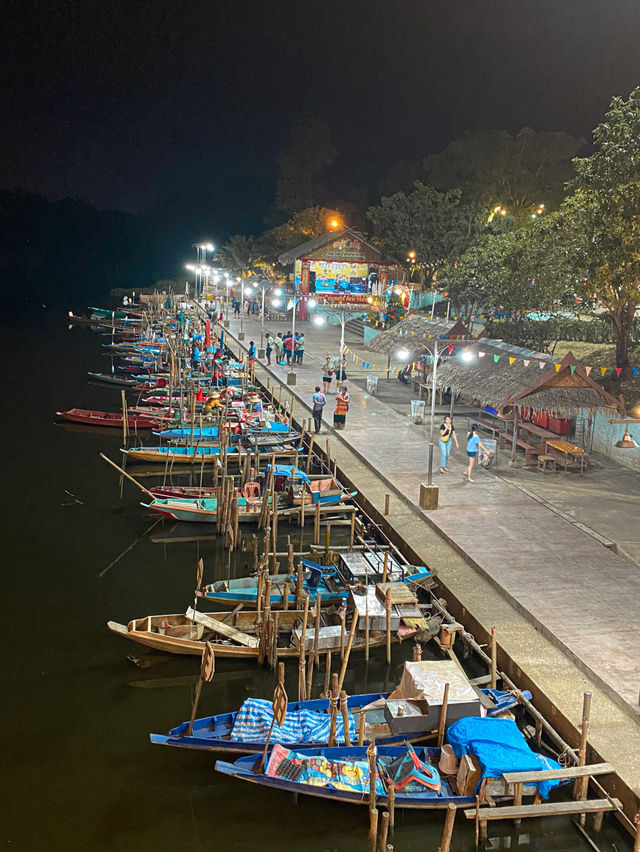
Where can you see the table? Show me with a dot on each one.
(572, 453)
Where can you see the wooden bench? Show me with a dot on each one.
(557, 774)
(529, 450)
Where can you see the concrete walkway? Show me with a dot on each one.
(579, 594)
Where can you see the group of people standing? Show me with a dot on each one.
(339, 413)
(289, 348)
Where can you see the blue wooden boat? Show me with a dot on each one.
(207, 453)
(347, 768)
(270, 428)
(216, 733)
(329, 582)
(110, 379)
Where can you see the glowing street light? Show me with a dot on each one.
(402, 354)
(466, 355)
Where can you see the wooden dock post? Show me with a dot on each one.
(391, 805)
(352, 530)
(345, 717)
(387, 498)
(310, 452)
(385, 566)
(310, 665)
(328, 456)
(384, 830)
(417, 652)
(373, 827)
(449, 820)
(316, 525)
(494, 659)
(443, 714)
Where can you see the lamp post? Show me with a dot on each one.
(241, 308)
(201, 259)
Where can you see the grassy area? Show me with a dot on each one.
(604, 355)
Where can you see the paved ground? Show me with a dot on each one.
(577, 592)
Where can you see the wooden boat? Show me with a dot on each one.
(111, 418)
(232, 634)
(189, 492)
(204, 509)
(330, 582)
(342, 773)
(110, 379)
(215, 733)
(207, 453)
(270, 427)
(354, 759)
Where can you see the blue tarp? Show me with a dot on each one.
(253, 720)
(289, 471)
(499, 747)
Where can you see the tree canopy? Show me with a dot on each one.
(301, 165)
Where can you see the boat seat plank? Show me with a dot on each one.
(545, 809)
(557, 774)
(222, 628)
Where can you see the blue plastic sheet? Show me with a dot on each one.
(499, 747)
(253, 721)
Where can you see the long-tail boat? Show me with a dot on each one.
(112, 418)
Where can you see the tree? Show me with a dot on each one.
(302, 226)
(602, 219)
(516, 172)
(301, 165)
(509, 274)
(435, 225)
(241, 254)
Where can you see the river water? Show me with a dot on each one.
(79, 771)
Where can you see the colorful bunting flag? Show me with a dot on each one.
(542, 365)
(588, 370)
(557, 366)
(526, 362)
(635, 372)
(496, 358)
(572, 367)
(450, 350)
(603, 370)
(512, 361)
(481, 354)
(618, 371)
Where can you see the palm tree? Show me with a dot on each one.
(241, 254)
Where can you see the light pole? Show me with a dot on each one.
(241, 307)
(201, 258)
(404, 355)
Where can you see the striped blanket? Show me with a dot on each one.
(253, 720)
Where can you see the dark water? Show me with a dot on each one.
(78, 769)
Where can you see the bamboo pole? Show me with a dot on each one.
(443, 715)
(371, 758)
(361, 728)
(311, 441)
(327, 675)
(316, 635)
(328, 454)
(345, 717)
(347, 653)
(494, 658)
(316, 525)
(343, 627)
(125, 474)
(327, 542)
(302, 658)
(385, 566)
(352, 530)
(391, 805)
(310, 666)
(333, 703)
(125, 421)
(387, 608)
(581, 784)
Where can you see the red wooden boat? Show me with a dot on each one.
(112, 418)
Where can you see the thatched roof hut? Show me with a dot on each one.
(414, 332)
(500, 376)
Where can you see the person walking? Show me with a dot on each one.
(252, 352)
(299, 348)
(319, 402)
(269, 349)
(236, 307)
(327, 374)
(447, 434)
(473, 442)
(342, 406)
(341, 374)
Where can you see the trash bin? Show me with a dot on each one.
(372, 385)
(417, 410)
(489, 459)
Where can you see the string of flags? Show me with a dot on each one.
(367, 365)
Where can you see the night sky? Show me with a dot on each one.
(139, 105)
